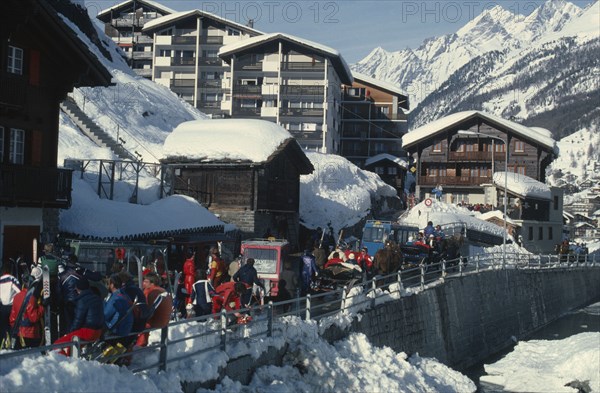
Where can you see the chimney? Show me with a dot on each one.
(250, 23)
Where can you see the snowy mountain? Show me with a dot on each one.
(534, 68)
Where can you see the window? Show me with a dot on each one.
(519, 147)
(530, 233)
(379, 170)
(499, 147)
(15, 60)
(520, 169)
(540, 233)
(550, 235)
(392, 170)
(233, 32)
(210, 53)
(16, 153)
(460, 146)
(437, 146)
(555, 203)
(164, 53)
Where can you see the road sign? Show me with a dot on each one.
(428, 202)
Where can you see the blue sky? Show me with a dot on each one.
(353, 27)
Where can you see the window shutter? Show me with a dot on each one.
(34, 68)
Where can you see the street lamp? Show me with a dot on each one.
(505, 199)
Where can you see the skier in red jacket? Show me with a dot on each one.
(189, 271)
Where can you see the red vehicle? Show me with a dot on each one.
(268, 255)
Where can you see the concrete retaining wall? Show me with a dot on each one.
(460, 323)
(469, 318)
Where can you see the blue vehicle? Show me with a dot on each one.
(377, 232)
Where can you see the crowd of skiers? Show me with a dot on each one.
(79, 304)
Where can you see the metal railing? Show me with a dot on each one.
(219, 332)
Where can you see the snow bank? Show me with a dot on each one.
(547, 366)
(338, 192)
(445, 213)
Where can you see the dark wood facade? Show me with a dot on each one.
(461, 163)
(268, 189)
(41, 60)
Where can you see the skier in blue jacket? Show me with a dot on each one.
(118, 314)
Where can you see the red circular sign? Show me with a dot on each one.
(428, 202)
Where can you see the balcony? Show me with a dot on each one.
(145, 72)
(303, 67)
(34, 186)
(210, 61)
(184, 40)
(475, 156)
(211, 40)
(141, 55)
(247, 91)
(239, 66)
(183, 61)
(246, 112)
(453, 180)
(294, 112)
(182, 83)
(297, 91)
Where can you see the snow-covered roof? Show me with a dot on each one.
(359, 77)
(95, 218)
(242, 140)
(385, 156)
(522, 185)
(497, 214)
(169, 19)
(583, 224)
(537, 134)
(150, 3)
(343, 70)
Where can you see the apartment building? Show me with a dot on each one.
(124, 23)
(185, 57)
(288, 80)
(373, 119)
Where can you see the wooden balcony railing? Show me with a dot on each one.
(453, 180)
(34, 186)
(475, 156)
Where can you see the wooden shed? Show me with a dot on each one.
(259, 195)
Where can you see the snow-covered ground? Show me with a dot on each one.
(548, 365)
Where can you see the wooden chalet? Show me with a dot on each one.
(258, 197)
(42, 59)
(462, 163)
(391, 169)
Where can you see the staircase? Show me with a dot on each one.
(93, 131)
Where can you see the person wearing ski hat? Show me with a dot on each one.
(29, 329)
(88, 321)
(9, 287)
